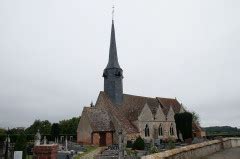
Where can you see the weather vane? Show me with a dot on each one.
(113, 12)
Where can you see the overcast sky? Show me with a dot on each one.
(53, 52)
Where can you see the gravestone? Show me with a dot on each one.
(61, 139)
(18, 154)
(66, 144)
(44, 140)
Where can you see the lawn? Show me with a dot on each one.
(88, 150)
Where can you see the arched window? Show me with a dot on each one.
(171, 130)
(160, 130)
(147, 131)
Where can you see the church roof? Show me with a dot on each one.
(105, 103)
(167, 102)
(98, 119)
(132, 106)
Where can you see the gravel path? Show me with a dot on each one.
(92, 154)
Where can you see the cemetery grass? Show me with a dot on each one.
(89, 149)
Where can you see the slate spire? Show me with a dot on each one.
(112, 74)
(113, 58)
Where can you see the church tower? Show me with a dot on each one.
(112, 74)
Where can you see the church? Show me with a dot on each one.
(133, 116)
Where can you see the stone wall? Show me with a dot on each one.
(84, 131)
(235, 142)
(147, 118)
(196, 150)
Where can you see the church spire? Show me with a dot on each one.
(113, 58)
(112, 74)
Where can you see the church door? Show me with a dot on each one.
(102, 140)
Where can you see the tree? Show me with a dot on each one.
(55, 130)
(69, 126)
(2, 131)
(196, 118)
(138, 144)
(2, 134)
(195, 115)
(21, 144)
(16, 130)
(184, 124)
(43, 126)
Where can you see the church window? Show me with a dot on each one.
(160, 130)
(171, 130)
(147, 131)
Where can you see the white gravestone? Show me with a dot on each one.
(17, 154)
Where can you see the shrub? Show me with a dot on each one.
(131, 153)
(170, 144)
(129, 144)
(138, 144)
(2, 137)
(153, 150)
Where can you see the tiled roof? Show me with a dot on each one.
(166, 103)
(132, 106)
(104, 102)
(99, 119)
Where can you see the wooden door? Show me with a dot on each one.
(102, 140)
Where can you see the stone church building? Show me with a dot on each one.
(132, 115)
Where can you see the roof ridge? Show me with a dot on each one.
(139, 96)
(166, 98)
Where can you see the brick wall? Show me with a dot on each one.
(45, 151)
(96, 138)
(109, 138)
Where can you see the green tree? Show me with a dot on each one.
(16, 130)
(138, 144)
(196, 118)
(55, 130)
(2, 131)
(184, 124)
(21, 144)
(69, 126)
(2, 134)
(43, 126)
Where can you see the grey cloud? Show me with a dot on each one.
(52, 54)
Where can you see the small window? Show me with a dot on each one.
(147, 131)
(171, 130)
(160, 130)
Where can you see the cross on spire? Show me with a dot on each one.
(113, 12)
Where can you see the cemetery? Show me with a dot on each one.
(66, 147)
